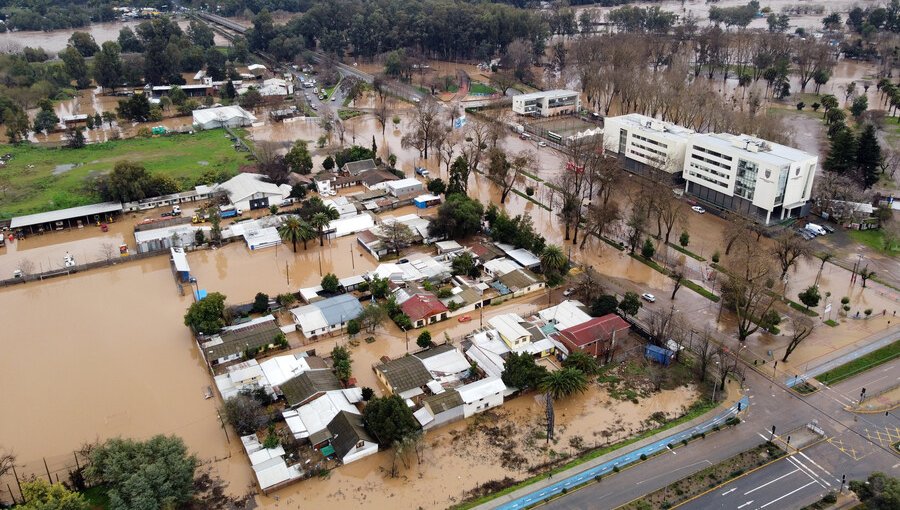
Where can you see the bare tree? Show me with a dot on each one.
(838, 196)
(26, 266)
(341, 129)
(678, 277)
(107, 250)
(423, 126)
(505, 172)
(787, 249)
(599, 217)
(395, 236)
(802, 326)
(748, 291)
(382, 112)
(663, 325)
(326, 122)
(7, 462)
(588, 286)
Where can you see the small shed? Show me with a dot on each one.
(426, 201)
(658, 354)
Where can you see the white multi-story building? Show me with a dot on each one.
(547, 103)
(647, 145)
(763, 180)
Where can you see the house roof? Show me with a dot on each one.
(565, 315)
(401, 184)
(478, 390)
(486, 251)
(443, 360)
(519, 279)
(358, 167)
(422, 306)
(405, 373)
(443, 402)
(242, 186)
(282, 368)
(600, 328)
(522, 256)
(327, 312)
(509, 326)
(221, 114)
(347, 430)
(65, 214)
(373, 177)
(367, 237)
(250, 336)
(501, 266)
(301, 388)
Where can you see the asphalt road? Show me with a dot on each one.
(855, 445)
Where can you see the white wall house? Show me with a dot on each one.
(509, 325)
(250, 191)
(547, 103)
(482, 395)
(763, 180)
(646, 142)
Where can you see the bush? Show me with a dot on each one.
(367, 393)
(830, 498)
(715, 257)
(260, 303)
(529, 191)
(353, 327)
(643, 456)
(286, 299)
(732, 421)
(598, 478)
(616, 469)
(684, 442)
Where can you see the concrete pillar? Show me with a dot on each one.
(768, 216)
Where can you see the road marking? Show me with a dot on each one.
(745, 504)
(729, 491)
(818, 466)
(809, 472)
(667, 473)
(773, 481)
(788, 494)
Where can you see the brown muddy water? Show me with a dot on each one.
(56, 40)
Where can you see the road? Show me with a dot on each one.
(855, 445)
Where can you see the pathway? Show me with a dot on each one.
(849, 353)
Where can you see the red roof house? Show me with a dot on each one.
(595, 337)
(424, 309)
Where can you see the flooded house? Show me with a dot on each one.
(248, 192)
(423, 308)
(233, 342)
(326, 316)
(222, 116)
(269, 466)
(596, 337)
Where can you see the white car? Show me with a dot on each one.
(698, 209)
(648, 297)
(568, 292)
(542, 144)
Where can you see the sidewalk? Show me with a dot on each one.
(548, 487)
(849, 353)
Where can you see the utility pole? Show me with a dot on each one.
(224, 428)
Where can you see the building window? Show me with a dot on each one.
(623, 140)
(782, 184)
(745, 181)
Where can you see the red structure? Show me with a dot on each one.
(596, 337)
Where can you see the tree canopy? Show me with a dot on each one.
(520, 371)
(458, 217)
(389, 419)
(144, 475)
(40, 495)
(207, 316)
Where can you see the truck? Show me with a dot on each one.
(229, 211)
(816, 229)
(422, 171)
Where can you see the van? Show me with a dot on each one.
(525, 136)
(421, 171)
(816, 229)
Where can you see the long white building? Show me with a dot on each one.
(647, 145)
(762, 180)
(547, 103)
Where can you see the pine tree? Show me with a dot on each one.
(843, 154)
(868, 156)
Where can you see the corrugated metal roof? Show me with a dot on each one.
(65, 214)
(405, 373)
(301, 388)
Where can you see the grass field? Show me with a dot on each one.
(36, 179)
(480, 88)
(861, 364)
(874, 239)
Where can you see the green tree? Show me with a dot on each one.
(40, 495)
(45, 121)
(395, 236)
(647, 250)
(810, 296)
(299, 158)
(342, 363)
(520, 371)
(565, 382)
(389, 419)
(684, 239)
(230, 91)
(859, 106)
(458, 217)
(251, 99)
(868, 156)
(294, 229)
(879, 492)
(553, 262)
(843, 152)
(372, 316)
(330, 283)
(328, 163)
(630, 304)
(201, 34)
(246, 414)
(829, 102)
(75, 138)
(464, 264)
(583, 362)
(604, 305)
(207, 316)
(260, 303)
(353, 327)
(128, 42)
(149, 475)
(107, 70)
(136, 108)
(321, 220)
(84, 43)
(424, 340)
(437, 186)
(75, 66)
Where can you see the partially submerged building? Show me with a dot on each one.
(233, 342)
(326, 315)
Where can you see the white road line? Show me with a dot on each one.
(674, 470)
(812, 471)
(788, 494)
(818, 466)
(770, 482)
(729, 491)
(811, 474)
(762, 436)
(745, 504)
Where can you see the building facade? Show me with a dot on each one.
(547, 103)
(647, 146)
(762, 180)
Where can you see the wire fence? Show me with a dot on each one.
(65, 469)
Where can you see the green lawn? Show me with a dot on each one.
(874, 239)
(480, 88)
(28, 184)
(861, 364)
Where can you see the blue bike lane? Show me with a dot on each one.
(549, 491)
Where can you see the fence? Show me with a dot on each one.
(112, 261)
(64, 468)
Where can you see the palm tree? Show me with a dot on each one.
(320, 220)
(307, 232)
(290, 231)
(553, 260)
(565, 382)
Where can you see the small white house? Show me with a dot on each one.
(482, 395)
(250, 191)
(511, 330)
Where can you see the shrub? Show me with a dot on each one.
(715, 257)
(529, 191)
(616, 469)
(260, 303)
(830, 498)
(643, 456)
(684, 442)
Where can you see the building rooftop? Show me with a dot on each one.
(65, 214)
(299, 389)
(405, 373)
(346, 431)
(443, 402)
(478, 390)
(501, 266)
(243, 186)
(251, 335)
(522, 256)
(599, 328)
(565, 315)
(221, 114)
(422, 306)
(358, 167)
(509, 325)
(519, 279)
(753, 148)
(547, 93)
(283, 368)
(649, 124)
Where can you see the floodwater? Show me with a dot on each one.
(57, 40)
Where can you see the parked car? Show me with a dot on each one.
(464, 318)
(568, 292)
(828, 228)
(816, 229)
(648, 297)
(698, 209)
(542, 144)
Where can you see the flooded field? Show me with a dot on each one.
(56, 40)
